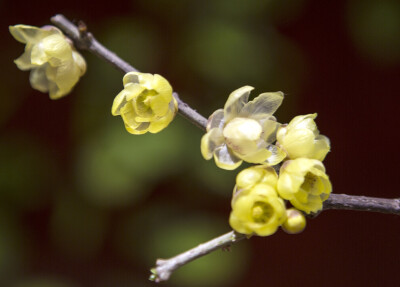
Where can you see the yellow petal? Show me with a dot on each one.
(38, 56)
(210, 141)
(29, 34)
(225, 159)
(163, 88)
(299, 143)
(236, 100)
(80, 62)
(57, 49)
(304, 122)
(24, 61)
(161, 123)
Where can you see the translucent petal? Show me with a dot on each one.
(134, 131)
(225, 159)
(277, 155)
(30, 34)
(236, 100)
(216, 120)
(24, 61)
(262, 106)
(322, 146)
(131, 78)
(128, 115)
(210, 141)
(269, 128)
(38, 79)
(258, 156)
(54, 92)
(119, 102)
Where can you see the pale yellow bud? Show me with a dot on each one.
(295, 221)
(301, 138)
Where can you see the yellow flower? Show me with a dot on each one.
(243, 131)
(304, 183)
(301, 138)
(295, 221)
(145, 104)
(256, 207)
(54, 63)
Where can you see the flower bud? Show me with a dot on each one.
(301, 138)
(295, 221)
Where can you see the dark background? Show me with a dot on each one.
(84, 203)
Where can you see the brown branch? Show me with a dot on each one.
(164, 267)
(363, 203)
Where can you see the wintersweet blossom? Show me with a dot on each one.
(145, 104)
(301, 138)
(295, 221)
(54, 63)
(243, 131)
(304, 183)
(256, 206)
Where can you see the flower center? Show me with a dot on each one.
(242, 128)
(262, 212)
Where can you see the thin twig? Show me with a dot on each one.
(164, 267)
(85, 40)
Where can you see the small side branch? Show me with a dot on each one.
(84, 40)
(165, 267)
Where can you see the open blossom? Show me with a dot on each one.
(54, 63)
(243, 131)
(256, 206)
(304, 183)
(145, 104)
(301, 138)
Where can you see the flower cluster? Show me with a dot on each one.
(244, 131)
(248, 131)
(54, 63)
(145, 104)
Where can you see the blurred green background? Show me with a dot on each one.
(84, 203)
